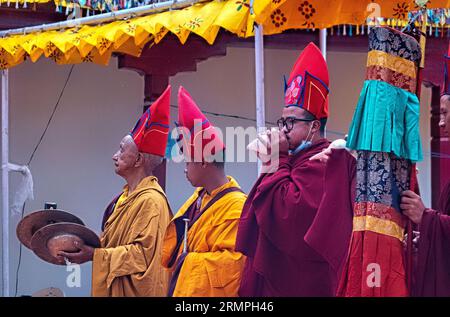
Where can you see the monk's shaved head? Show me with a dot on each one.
(128, 142)
(151, 162)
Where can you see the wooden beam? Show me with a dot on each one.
(170, 57)
(297, 40)
(12, 18)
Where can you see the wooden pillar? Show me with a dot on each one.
(154, 86)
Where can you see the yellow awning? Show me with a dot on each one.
(97, 43)
(282, 15)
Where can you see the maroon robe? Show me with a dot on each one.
(331, 230)
(432, 274)
(276, 216)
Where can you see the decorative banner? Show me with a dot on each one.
(280, 15)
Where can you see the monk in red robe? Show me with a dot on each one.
(283, 203)
(432, 273)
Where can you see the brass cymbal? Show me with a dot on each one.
(49, 240)
(38, 219)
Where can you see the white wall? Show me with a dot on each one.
(73, 165)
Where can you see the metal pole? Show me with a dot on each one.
(185, 240)
(323, 42)
(5, 184)
(323, 49)
(259, 78)
(106, 17)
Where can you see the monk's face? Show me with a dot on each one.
(194, 172)
(444, 121)
(301, 130)
(126, 157)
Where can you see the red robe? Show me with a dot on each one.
(331, 229)
(432, 274)
(375, 263)
(277, 214)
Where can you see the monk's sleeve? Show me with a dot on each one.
(432, 271)
(330, 232)
(133, 257)
(287, 200)
(435, 223)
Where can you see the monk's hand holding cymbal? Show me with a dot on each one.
(84, 254)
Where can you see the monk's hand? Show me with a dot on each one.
(84, 254)
(264, 147)
(412, 206)
(274, 142)
(322, 156)
(283, 144)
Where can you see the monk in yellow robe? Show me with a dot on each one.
(128, 263)
(199, 245)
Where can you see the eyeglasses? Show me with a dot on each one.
(289, 122)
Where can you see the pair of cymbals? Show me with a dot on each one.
(46, 232)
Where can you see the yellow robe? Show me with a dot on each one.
(212, 266)
(129, 260)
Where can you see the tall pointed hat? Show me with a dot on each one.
(151, 131)
(200, 140)
(307, 86)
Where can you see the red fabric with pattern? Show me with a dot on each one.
(200, 140)
(308, 82)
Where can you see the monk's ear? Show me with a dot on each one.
(139, 160)
(316, 126)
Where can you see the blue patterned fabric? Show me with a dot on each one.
(395, 43)
(381, 177)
